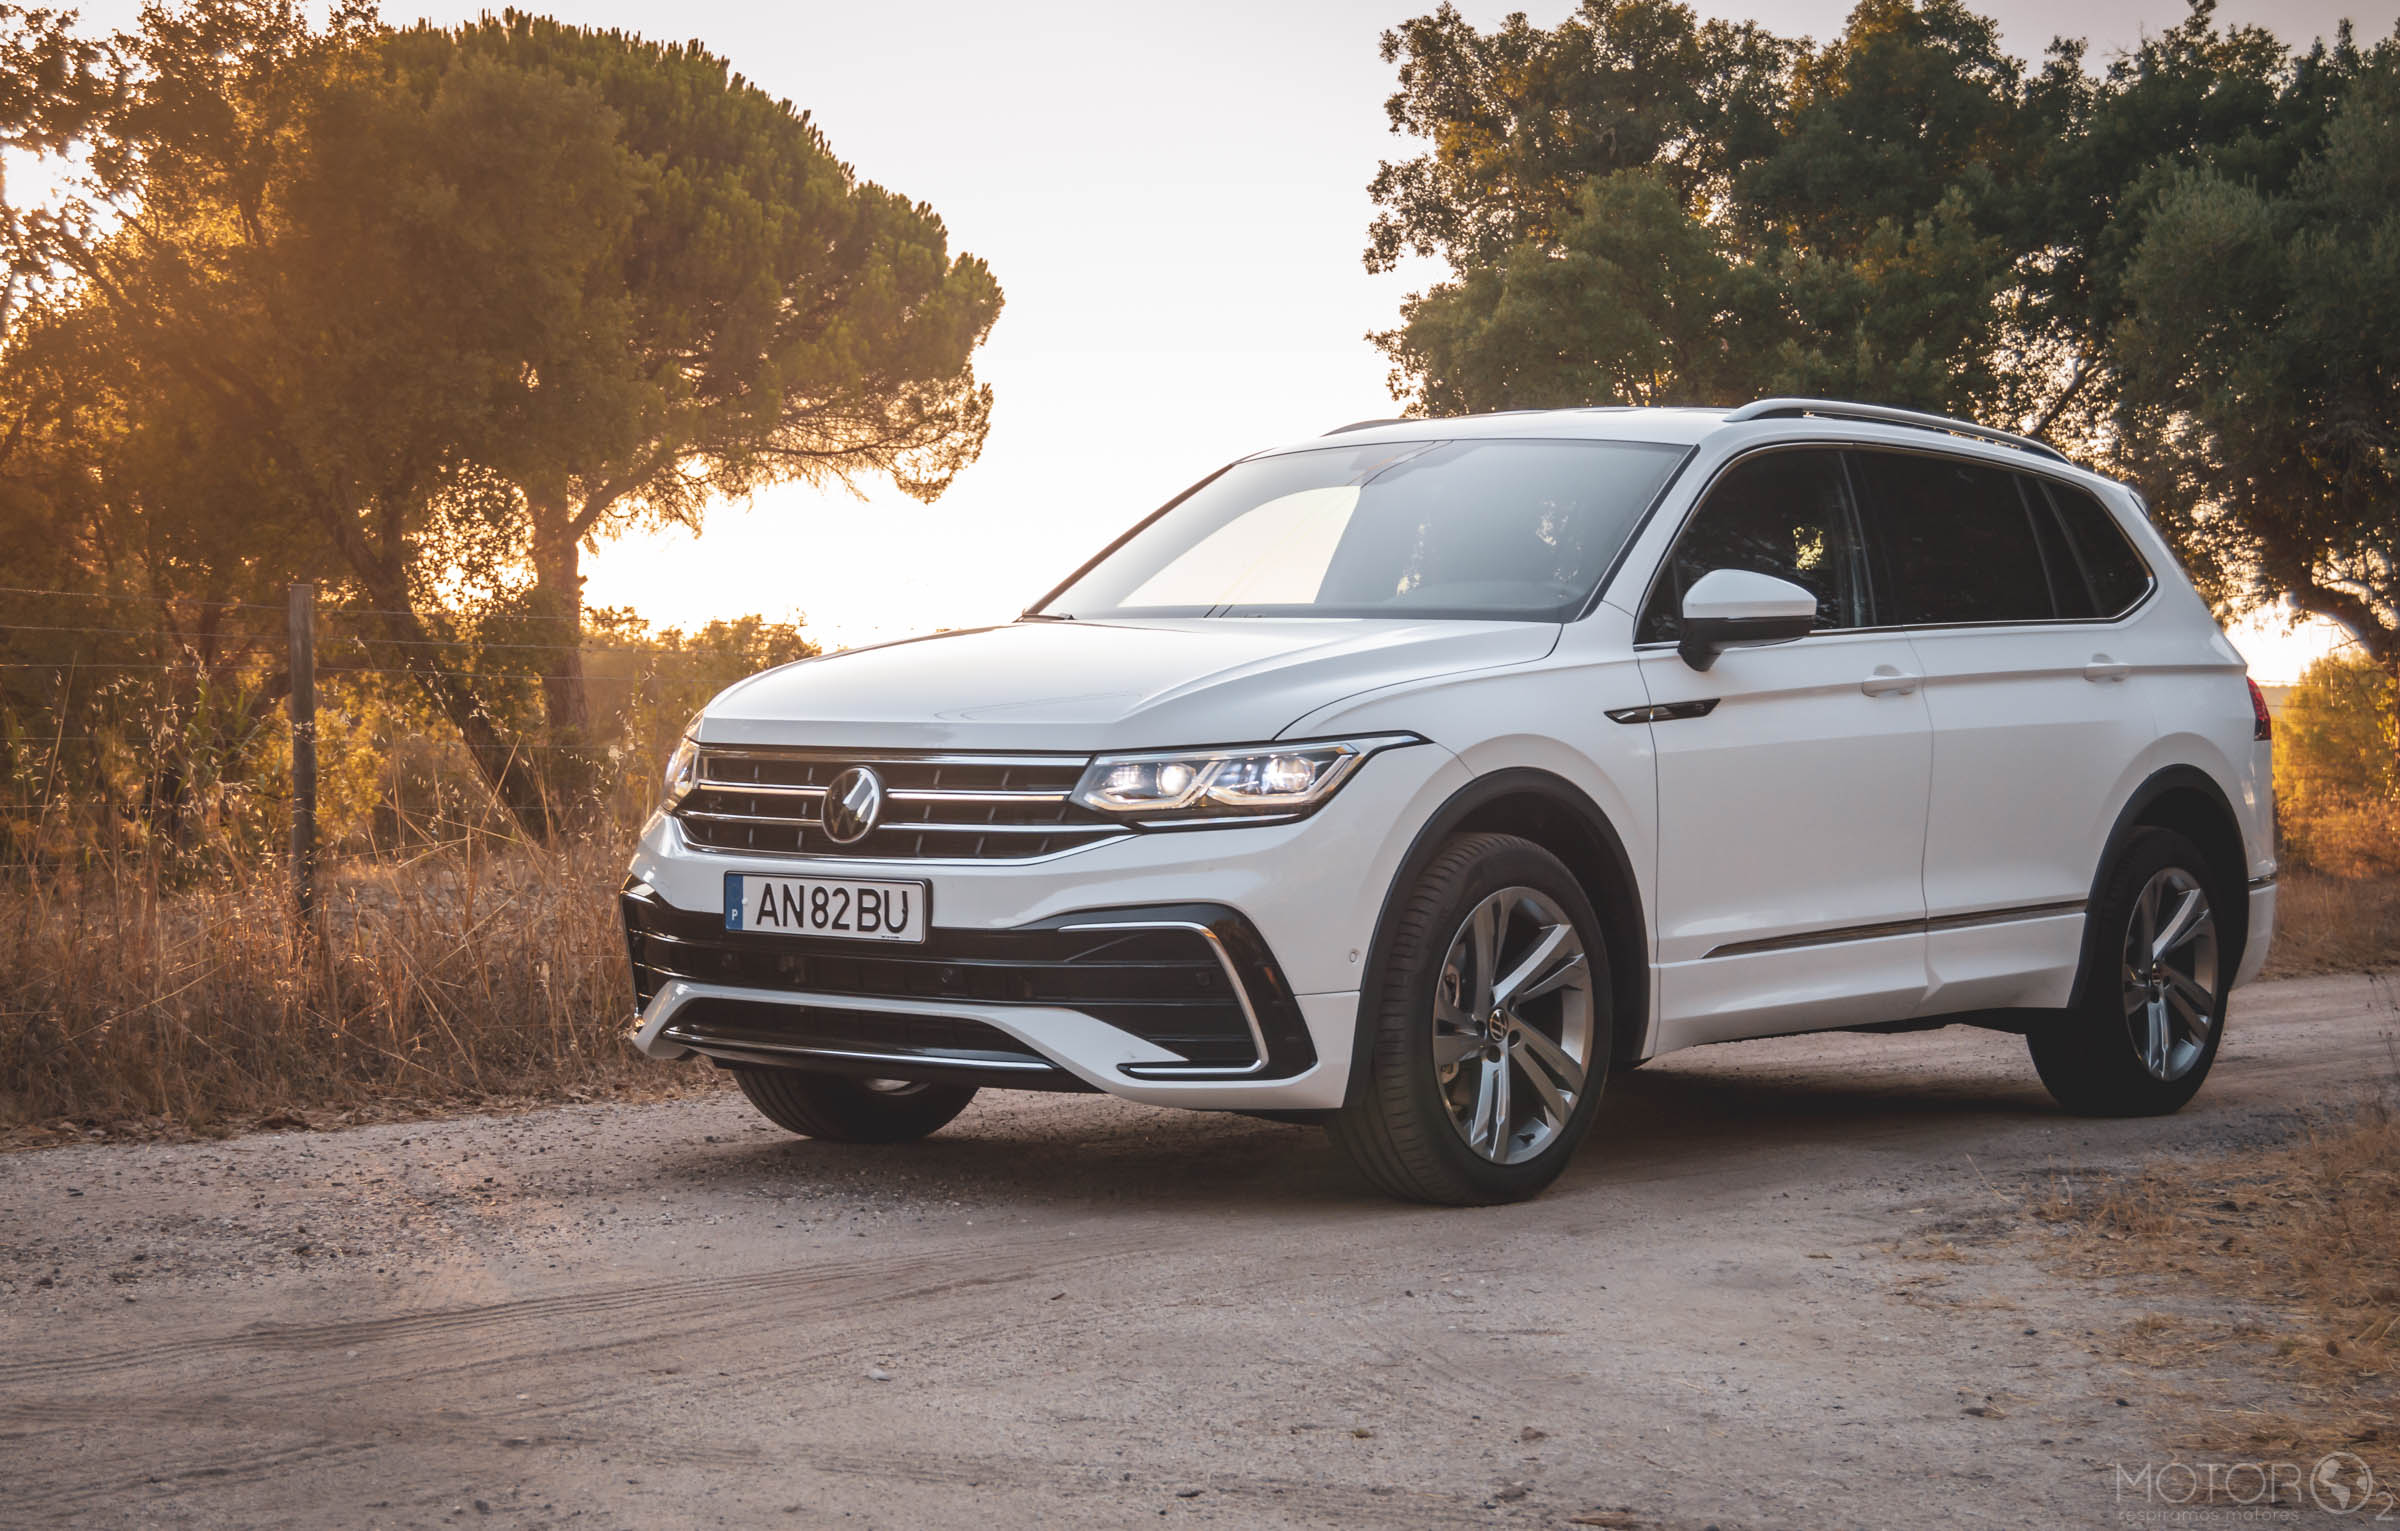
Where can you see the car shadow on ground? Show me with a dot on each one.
(1701, 1112)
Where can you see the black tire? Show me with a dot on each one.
(1400, 1125)
(2098, 1058)
(840, 1108)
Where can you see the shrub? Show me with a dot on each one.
(2337, 769)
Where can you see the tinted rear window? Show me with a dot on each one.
(2112, 571)
(1957, 539)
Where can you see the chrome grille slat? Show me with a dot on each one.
(757, 788)
(939, 805)
(748, 818)
(936, 795)
(914, 826)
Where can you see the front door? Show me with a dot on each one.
(1792, 778)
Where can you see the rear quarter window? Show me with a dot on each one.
(2098, 548)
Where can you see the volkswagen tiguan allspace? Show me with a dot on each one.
(1411, 778)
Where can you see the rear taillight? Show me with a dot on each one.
(2262, 725)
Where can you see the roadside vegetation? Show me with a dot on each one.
(2276, 1275)
(157, 977)
(2337, 797)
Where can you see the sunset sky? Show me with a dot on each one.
(1173, 198)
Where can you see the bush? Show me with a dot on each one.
(2337, 770)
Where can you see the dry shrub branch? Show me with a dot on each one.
(462, 974)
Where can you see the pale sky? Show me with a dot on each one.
(1174, 199)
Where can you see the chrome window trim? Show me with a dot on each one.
(2034, 469)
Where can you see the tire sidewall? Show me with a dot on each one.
(1403, 1037)
(2091, 1063)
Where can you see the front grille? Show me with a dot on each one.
(1163, 982)
(937, 807)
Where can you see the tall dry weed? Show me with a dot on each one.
(463, 972)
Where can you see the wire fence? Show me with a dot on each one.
(121, 711)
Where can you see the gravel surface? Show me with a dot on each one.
(1073, 1311)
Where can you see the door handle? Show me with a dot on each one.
(1887, 681)
(2103, 669)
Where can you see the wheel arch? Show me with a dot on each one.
(1553, 813)
(2189, 801)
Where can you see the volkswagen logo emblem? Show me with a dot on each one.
(852, 805)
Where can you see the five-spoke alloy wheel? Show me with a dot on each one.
(1485, 1038)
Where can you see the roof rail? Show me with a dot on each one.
(1366, 425)
(1835, 409)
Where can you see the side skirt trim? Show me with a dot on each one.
(1845, 933)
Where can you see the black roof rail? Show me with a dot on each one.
(1879, 414)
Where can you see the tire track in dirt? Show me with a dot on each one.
(852, 1286)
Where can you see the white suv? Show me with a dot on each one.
(1411, 778)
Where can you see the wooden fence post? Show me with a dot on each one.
(304, 751)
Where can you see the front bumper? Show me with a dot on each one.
(1212, 968)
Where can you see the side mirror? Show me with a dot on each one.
(1728, 608)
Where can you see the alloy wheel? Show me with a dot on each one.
(2170, 973)
(1512, 1024)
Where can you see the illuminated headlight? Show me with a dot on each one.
(683, 774)
(1210, 784)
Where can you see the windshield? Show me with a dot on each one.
(1512, 529)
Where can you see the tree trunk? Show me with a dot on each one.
(570, 765)
(508, 770)
(558, 611)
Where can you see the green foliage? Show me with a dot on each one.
(2337, 742)
(1639, 302)
(1519, 119)
(2337, 768)
(2188, 267)
(2261, 363)
(420, 314)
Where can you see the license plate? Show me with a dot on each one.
(827, 906)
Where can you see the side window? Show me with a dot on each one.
(1780, 513)
(1957, 540)
(2096, 544)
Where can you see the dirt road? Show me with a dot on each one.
(1069, 1311)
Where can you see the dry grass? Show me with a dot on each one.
(2287, 1265)
(456, 977)
(2335, 925)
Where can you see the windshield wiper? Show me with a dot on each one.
(1045, 616)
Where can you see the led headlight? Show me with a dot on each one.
(683, 774)
(1272, 781)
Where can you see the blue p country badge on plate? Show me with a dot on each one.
(733, 900)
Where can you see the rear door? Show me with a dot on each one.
(2037, 707)
(1792, 778)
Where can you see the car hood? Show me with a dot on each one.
(1087, 686)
